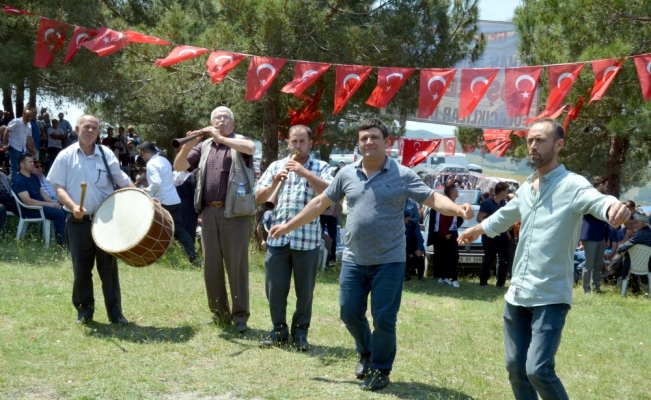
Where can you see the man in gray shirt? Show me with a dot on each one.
(373, 261)
(550, 204)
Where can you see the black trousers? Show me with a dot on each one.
(84, 253)
(446, 256)
(415, 266)
(189, 214)
(494, 247)
(329, 222)
(179, 231)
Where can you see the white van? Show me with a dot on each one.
(435, 159)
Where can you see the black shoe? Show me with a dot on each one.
(84, 320)
(273, 343)
(302, 344)
(240, 327)
(376, 380)
(362, 368)
(120, 321)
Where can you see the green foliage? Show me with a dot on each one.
(610, 136)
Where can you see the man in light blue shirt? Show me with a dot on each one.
(550, 204)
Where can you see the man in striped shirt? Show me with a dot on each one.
(298, 252)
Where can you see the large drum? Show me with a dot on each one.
(132, 227)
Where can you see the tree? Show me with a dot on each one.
(611, 136)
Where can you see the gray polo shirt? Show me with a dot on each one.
(375, 228)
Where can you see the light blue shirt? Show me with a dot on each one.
(551, 223)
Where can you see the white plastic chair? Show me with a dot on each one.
(24, 221)
(639, 255)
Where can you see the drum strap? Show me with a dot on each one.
(108, 170)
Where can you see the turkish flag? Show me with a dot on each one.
(433, 84)
(521, 85)
(262, 73)
(415, 151)
(49, 39)
(604, 74)
(474, 85)
(643, 66)
(573, 113)
(79, 36)
(305, 74)
(14, 10)
(389, 80)
(349, 78)
(137, 37)
(561, 79)
(450, 146)
(497, 141)
(107, 42)
(179, 54)
(220, 63)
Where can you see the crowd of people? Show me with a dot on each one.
(215, 179)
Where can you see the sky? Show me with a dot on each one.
(490, 10)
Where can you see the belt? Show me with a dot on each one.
(215, 203)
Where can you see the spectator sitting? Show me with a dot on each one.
(415, 263)
(642, 235)
(28, 188)
(45, 184)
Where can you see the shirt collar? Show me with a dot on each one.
(385, 167)
(76, 148)
(550, 175)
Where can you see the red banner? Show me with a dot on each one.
(561, 79)
(137, 37)
(305, 74)
(14, 10)
(389, 80)
(262, 72)
(643, 66)
(107, 42)
(49, 39)
(180, 54)
(220, 63)
(604, 73)
(79, 36)
(497, 141)
(450, 146)
(521, 85)
(433, 84)
(348, 79)
(415, 151)
(474, 85)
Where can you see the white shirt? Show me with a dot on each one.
(19, 131)
(161, 181)
(52, 142)
(72, 166)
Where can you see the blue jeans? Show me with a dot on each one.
(384, 283)
(531, 337)
(57, 216)
(14, 167)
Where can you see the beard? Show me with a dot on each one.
(541, 159)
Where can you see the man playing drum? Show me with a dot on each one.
(84, 162)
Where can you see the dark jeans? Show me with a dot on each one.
(494, 247)
(52, 153)
(329, 222)
(279, 265)
(190, 216)
(384, 283)
(3, 221)
(179, 231)
(57, 216)
(84, 254)
(531, 339)
(14, 167)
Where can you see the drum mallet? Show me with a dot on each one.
(81, 202)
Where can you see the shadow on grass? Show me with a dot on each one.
(413, 390)
(139, 334)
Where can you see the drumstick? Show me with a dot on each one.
(81, 202)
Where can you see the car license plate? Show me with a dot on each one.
(470, 260)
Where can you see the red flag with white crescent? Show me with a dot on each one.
(433, 84)
(305, 74)
(450, 146)
(474, 85)
(137, 37)
(573, 113)
(262, 72)
(643, 66)
(49, 39)
(14, 10)
(561, 79)
(497, 141)
(415, 151)
(107, 42)
(389, 81)
(521, 84)
(79, 36)
(220, 63)
(179, 54)
(604, 74)
(349, 78)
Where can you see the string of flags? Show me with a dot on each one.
(520, 85)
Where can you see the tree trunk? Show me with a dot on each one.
(619, 146)
(7, 104)
(33, 88)
(20, 98)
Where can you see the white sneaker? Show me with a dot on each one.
(455, 284)
(444, 281)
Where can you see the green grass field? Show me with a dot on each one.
(449, 340)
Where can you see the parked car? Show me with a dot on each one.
(471, 256)
(475, 168)
(346, 155)
(450, 169)
(432, 161)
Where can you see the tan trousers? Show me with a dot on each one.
(225, 242)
